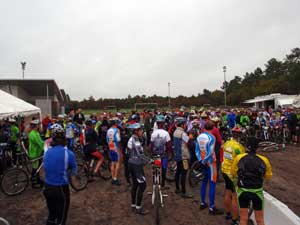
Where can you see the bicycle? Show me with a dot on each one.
(85, 168)
(3, 221)
(15, 180)
(157, 196)
(195, 174)
(5, 157)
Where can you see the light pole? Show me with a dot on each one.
(23, 64)
(169, 85)
(224, 70)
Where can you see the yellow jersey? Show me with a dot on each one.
(231, 149)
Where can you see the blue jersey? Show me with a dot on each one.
(57, 161)
(113, 138)
(205, 148)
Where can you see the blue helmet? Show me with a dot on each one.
(160, 119)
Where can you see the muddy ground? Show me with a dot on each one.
(103, 204)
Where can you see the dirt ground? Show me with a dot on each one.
(101, 203)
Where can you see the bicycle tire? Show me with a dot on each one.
(195, 175)
(3, 221)
(171, 171)
(156, 206)
(80, 180)
(104, 171)
(14, 181)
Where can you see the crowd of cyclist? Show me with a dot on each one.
(196, 135)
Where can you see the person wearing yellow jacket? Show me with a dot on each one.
(232, 148)
(251, 169)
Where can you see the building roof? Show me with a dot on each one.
(271, 97)
(36, 87)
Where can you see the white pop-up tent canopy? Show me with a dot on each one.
(12, 106)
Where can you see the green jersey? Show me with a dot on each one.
(14, 132)
(36, 144)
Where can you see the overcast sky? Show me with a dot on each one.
(112, 48)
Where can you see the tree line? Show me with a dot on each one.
(278, 76)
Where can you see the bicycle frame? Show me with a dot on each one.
(156, 175)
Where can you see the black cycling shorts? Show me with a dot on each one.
(246, 198)
(228, 183)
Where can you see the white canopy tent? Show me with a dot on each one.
(12, 106)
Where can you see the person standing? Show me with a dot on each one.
(182, 156)
(251, 169)
(136, 162)
(14, 138)
(113, 139)
(36, 148)
(232, 148)
(58, 160)
(205, 152)
(160, 144)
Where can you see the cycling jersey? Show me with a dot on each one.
(205, 148)
(113, 139)
(159, 138)
(180, 139)
(36, 145)
(90, 140)
(14, 131)
(136, 152)
(70, 130)
(231, 148)
(57, 161)
(251, 169)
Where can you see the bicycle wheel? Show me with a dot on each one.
(14, 181)
(195, 174)
(3, 221)
(269, 146)
(156, 206)
(80, 180)
(104, 171)
(171, 171)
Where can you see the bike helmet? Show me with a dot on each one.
(180, 120)
(252, 143)
(134, 126)
(160, 119)
(57, 131)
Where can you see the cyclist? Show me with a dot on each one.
(36, 147)
(160, 144)
(70, 130)
(13, 139)
(216, 132)
(90, 144)
(136, 162)
(57, 161)
(232, 148)
(250, 169)
(205, 151)
(231, 119)
(182, 155)
(244, 119)
(113, 139)
(79, 117)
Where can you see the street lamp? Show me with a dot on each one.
(169, 85)
(23, 64)
(224, 70)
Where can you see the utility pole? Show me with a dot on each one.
(23, 64)
(169, 85)
(224, 70)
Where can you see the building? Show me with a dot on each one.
(44, 94)
(274, 101)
